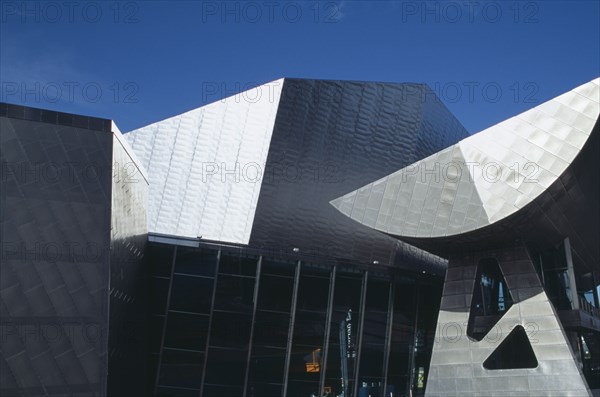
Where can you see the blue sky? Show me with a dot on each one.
(140, 62)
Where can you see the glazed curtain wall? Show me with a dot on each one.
(228, 323)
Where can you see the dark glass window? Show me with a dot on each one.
(158, 295)
(371, 364)
(376, 312)
(275, 293)
(265, 390)
(160, 258)
(230, 330)
(164, 391)
(558, 287)
(401, 348)
(188, 317)
(196, 261)
(374, 328)
(186, 331)
(398, 369)
(278, 268)
(309, 330)
(222, 391)
(347, 293)
(491, 298)
(556, 276)
(152, 370)
(346, 296)
(235, 293)
(334, 359)
(191, 294)
(271, 329)
(429, 300)
(405, 302)
(226, 367)
(181, 368)
(238, 264)
(377, 295)
(156, 329)
(267, 364)
(491, 295)
(302, 388)
(313, 293)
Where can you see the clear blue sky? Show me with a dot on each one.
(154, 59)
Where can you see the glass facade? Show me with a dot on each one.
(230, 322)
(491, 299)
(553, 269)
(556, 278)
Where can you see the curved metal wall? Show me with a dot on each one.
(332, 137)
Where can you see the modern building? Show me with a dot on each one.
(200, 255)
(515, 210)
(73, 237)
(254, 179)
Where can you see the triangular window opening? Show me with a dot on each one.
(491, 299)
(515, 352)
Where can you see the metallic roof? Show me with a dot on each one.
(484, 178)
(202, 164)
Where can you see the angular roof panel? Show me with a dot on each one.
(482, 179)
(203, 165)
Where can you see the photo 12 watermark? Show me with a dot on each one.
(69, 92)
(486, 91)
(68, 172)
(274, 172)
(454, 332)
(236, 91)
(456, 171)
(70, 12)
(448, 91)
(40, 329)
(270, 12)
(470, 12)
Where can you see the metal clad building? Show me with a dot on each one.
(201, 255)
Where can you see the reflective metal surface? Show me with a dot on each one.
(484, 178)
(262, 172)
(457, 363)
(331, 137)
(432, 205)
(55, 235)
(128, 275)
(205, 165)
(73, 232)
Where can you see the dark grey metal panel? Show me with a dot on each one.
(332, 137)
(55, 235)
